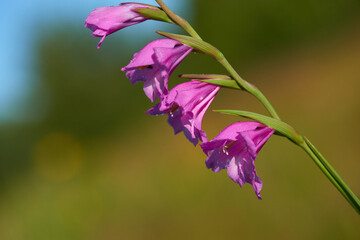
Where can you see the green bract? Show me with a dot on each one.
(222, 82)
(205, 76)
(214, 79)
(154, 14)
(196, 44)
(280, 127)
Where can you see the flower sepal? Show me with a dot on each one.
(154, 14)
(281, 128)
(221, 82)
(197, 44)
(214, 79)
(205, 76)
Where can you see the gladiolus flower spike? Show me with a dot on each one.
(236, 147)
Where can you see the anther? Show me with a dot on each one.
(145, 67)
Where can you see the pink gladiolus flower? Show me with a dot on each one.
(154, 64)
(186, 105)
(104, 21)
(235, 148)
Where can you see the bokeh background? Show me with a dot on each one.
(79, 159)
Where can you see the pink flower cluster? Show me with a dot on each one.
(235, 148)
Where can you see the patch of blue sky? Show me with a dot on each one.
(23, 21)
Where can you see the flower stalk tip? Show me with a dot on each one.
(179, 20)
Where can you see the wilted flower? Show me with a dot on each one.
(103, 21)
(235, 148)
(154, 64)
(186, 105)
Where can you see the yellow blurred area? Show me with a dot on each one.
(94, 166)
(58, 157)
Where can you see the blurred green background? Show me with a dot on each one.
(79, 159)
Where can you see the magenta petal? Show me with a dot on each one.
(209, 146)
(146, 56)
(188, 127)
(257, 185)
(171, 56)
(100, 42)
(104, 21)
(186, 105)
(231, 131)
(175, 121)
(235, 148)
(217, 160)
(149, 87)
(235, 172)
(154, 65)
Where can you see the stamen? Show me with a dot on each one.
(224, 150)
(229, 145)
(145, 67)
(173, 109)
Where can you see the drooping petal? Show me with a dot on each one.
(234, 171)
(104, 21)
(213, 144)
(154, 64)
(217, 159)
(235, 148)
(154, 86)
(186, 105)
(176, 121)
(244, 160)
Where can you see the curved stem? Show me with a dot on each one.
(179, 20)
(319, 160)
(249, 87)
(222, 60)
(331, 174)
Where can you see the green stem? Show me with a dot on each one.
(253, 90)
(179, 20)
(222, 60)
(319, 160)
(331, 174)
